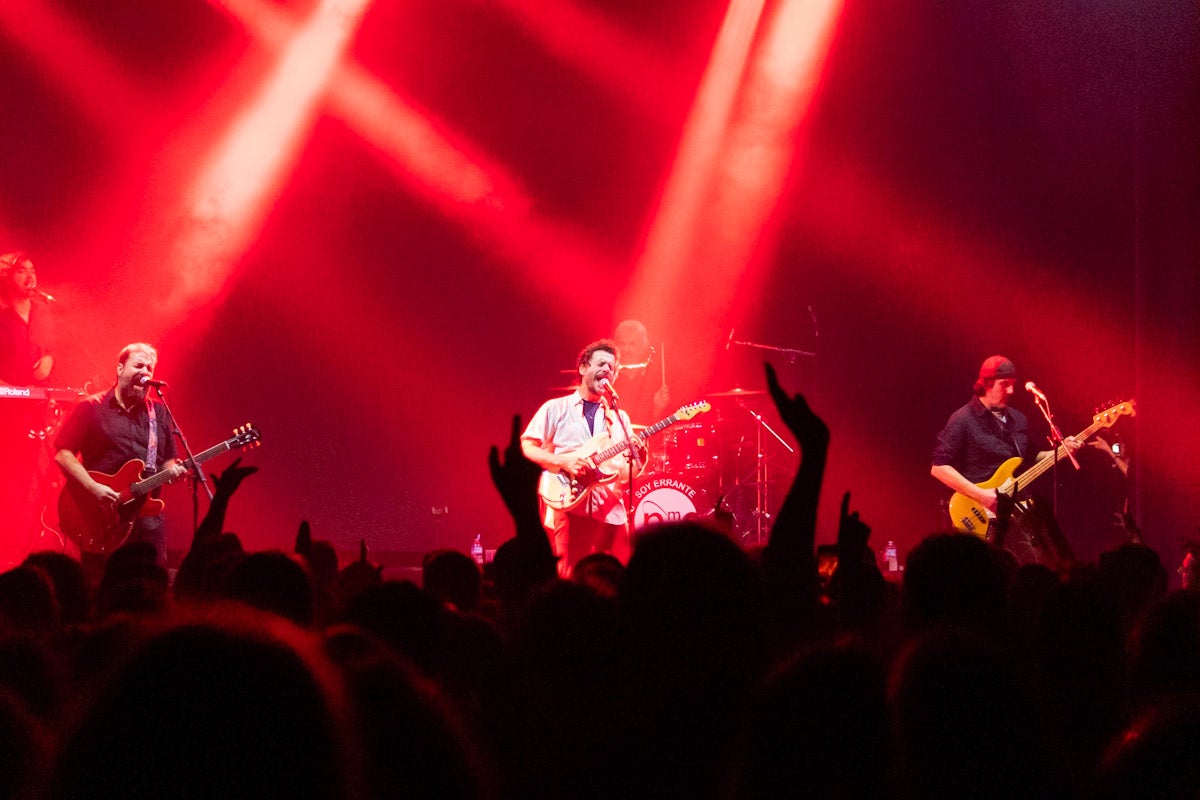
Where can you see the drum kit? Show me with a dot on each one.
(726, 460)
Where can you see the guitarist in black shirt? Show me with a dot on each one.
(979, 440)
(104, 433)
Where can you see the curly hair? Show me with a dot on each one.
(585, 355)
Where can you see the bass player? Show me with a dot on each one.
(107, 430)
(558, 439)
(983, 434)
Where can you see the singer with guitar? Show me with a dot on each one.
(981, 436)
(557, 438)
(105, 431)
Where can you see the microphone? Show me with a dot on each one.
(46, 296)
(609, 390)
(1035, 391)
(146, 380)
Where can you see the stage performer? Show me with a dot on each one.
(982, 435)
(645, 396)
(560, 436)
(106, 430)
(26, 345)
(26, 330)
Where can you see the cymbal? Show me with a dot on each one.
(737, 393)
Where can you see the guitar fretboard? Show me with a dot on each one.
(623, 445)
(686, 412)
(161, 478)
(1101, 421)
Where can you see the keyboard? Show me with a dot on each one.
(40, 393)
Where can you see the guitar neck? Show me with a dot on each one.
(1039, 467)
(164, 476)
(623, 445)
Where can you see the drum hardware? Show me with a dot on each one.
(692, 448)
(722, 458)
(756, 529)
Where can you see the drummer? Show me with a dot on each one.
(641, 381)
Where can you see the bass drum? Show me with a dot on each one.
(660, 497)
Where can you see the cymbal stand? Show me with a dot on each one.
(762, 500)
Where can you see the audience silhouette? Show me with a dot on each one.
(695, 670)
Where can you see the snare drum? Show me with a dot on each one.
(660, 497)
(692, 450)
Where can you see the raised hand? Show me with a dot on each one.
(515, 478)
(809, 429)
(304, 538)
(790, 560)
(1006, 504)
(226, 484)
(853, 533)
(232, 476)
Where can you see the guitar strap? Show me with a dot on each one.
(611, 423)
(152, 444)
(1010, 427)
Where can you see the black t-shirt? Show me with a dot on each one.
(106, 436)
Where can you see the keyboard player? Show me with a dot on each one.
(26, 361)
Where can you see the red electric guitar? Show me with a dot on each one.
(96, 529)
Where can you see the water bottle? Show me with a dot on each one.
(889, 557)
(477, 550)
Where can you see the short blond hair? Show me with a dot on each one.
(127, 351)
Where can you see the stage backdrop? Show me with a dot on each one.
(382, 256)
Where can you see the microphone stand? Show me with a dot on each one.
(194, 467)
(616, 407)
(790, 352)
(1056, 440)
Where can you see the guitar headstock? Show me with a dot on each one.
(1109, 416)
(692, 409)
(246, 436)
